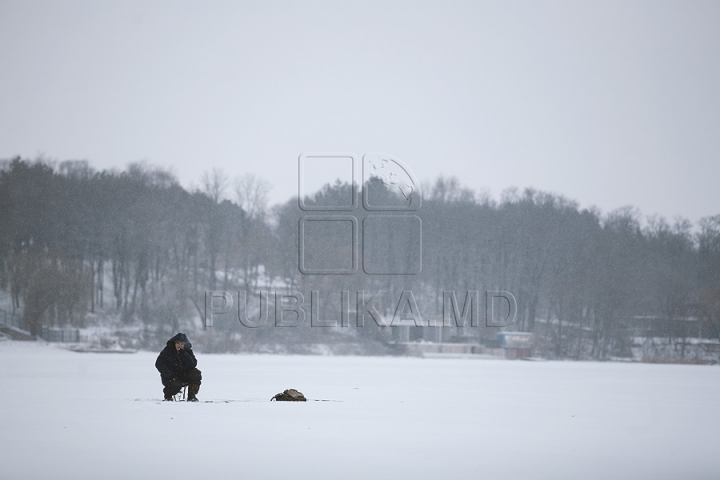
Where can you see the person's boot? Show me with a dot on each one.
(192, 392)
(170, 391)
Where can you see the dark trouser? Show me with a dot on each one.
(192, 378)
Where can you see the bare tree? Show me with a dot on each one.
(252, 194)
(214, 184)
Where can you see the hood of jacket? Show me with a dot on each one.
(180, 337)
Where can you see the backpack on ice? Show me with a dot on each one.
(289, 395)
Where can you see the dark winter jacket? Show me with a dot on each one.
(171, 363)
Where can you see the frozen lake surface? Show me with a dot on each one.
(69, 415)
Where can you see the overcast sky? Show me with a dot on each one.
(607, 103)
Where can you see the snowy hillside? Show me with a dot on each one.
(72, 415)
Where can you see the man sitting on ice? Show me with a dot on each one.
(176, 364)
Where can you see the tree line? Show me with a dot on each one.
(134, 246)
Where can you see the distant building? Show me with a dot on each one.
(516, 344)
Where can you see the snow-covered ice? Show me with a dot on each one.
(69, 415)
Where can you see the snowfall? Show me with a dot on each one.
(68, 415)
